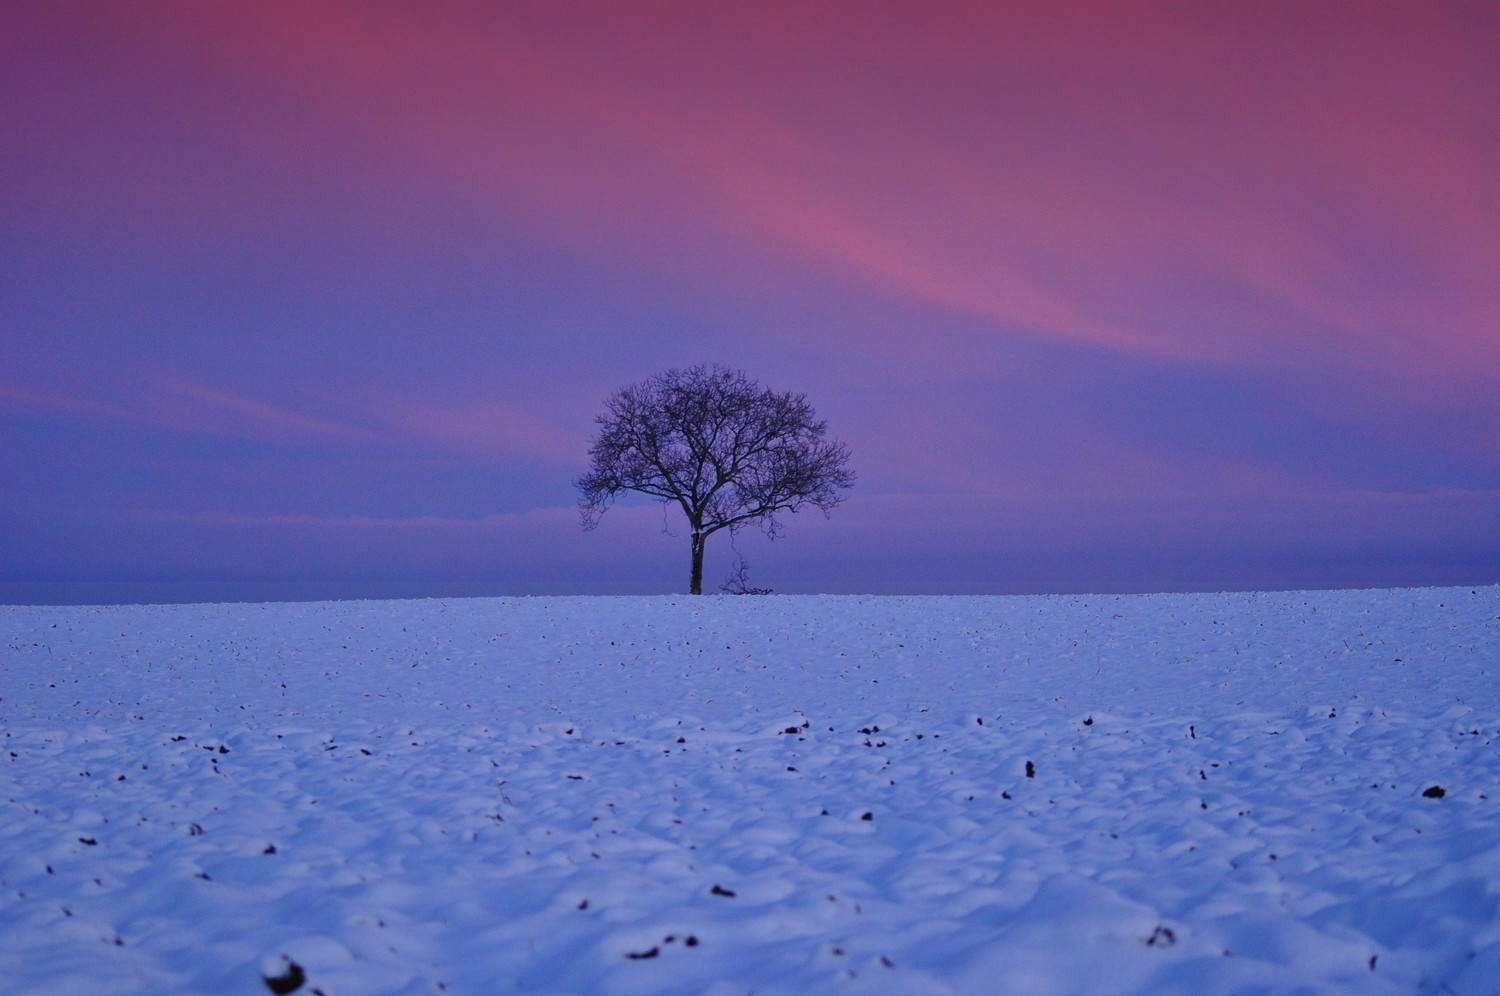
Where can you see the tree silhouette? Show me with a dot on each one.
(723, 448)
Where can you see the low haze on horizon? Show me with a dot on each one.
(324, 297)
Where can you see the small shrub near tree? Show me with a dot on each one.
(739, 581)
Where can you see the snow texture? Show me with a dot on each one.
(1135, 794)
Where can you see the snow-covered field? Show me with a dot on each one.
(1169, 793)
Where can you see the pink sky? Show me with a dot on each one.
(1158, 254)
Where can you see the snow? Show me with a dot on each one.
(1154, 794)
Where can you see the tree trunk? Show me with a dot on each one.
(698, 538)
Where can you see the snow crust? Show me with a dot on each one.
(1149, 794)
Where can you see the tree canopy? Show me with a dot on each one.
(719, 446)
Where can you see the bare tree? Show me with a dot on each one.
(721, 447)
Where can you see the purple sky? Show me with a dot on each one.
(1101, 297)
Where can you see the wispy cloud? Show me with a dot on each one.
(174, 400)
(541, 517)
(489, 429)
(165, 398)
(1080, 166)
(187, 403)
(1055, 171)
(25, 399)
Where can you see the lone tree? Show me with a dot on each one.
(726, 450)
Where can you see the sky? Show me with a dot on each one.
(318, 299)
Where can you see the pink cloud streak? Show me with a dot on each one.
(176, 401)
(1043, 168)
